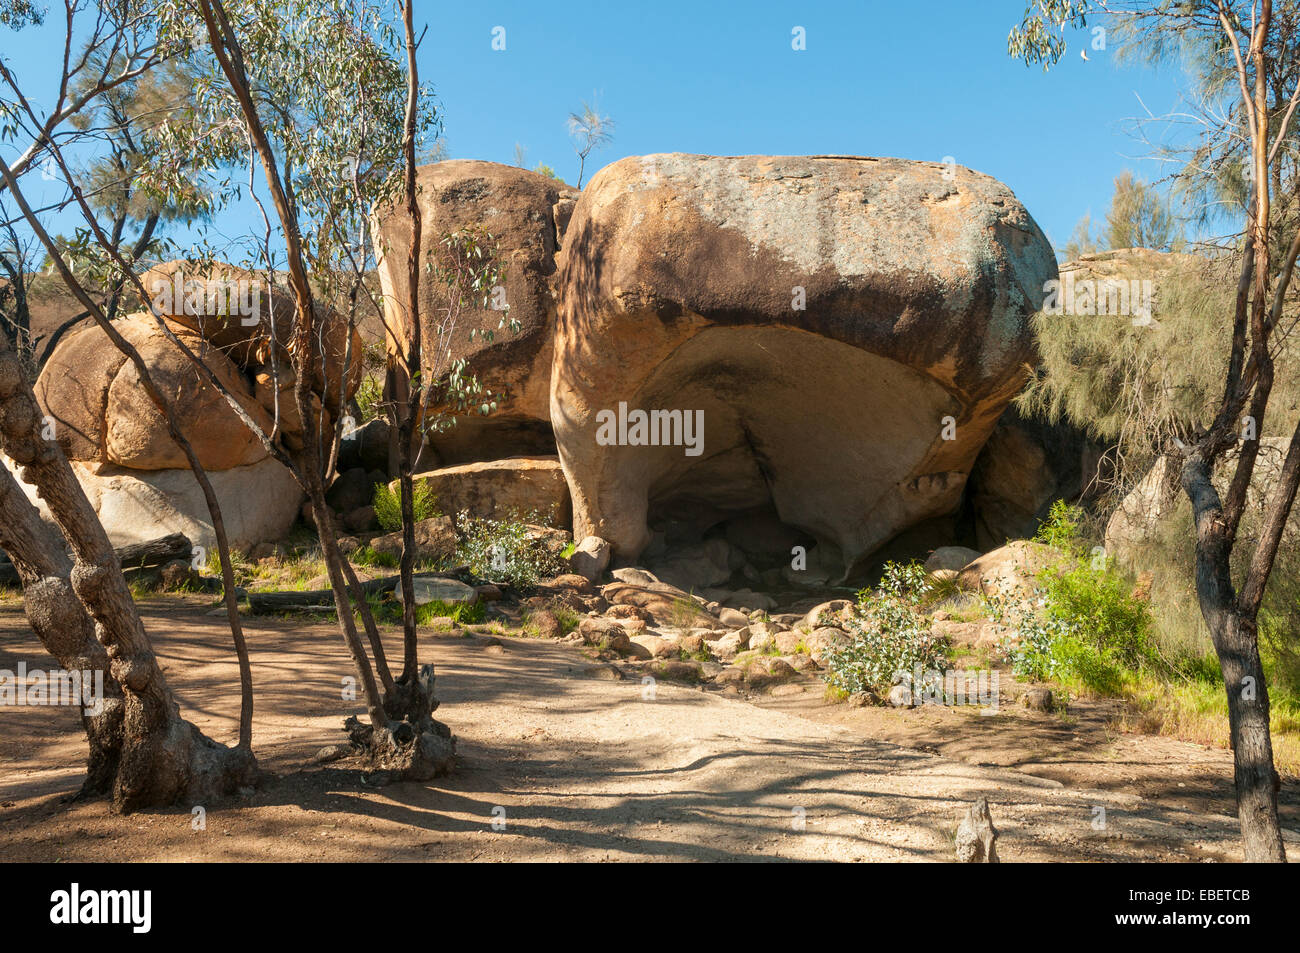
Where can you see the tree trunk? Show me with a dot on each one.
(62, 625)
(164, 759)
(1236, 642)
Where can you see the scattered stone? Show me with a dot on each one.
(332, 753)
(605, 635)
(900, 696)
(571, 580)
(729, 646)
(732, 675)
(179, 574)
(268, 550)
(1038, 699)
(976, 836)
(821, 640)
(657, 646)
(440, 590)
(800, 662)
(547, 624)
(675, 670)
(488, 593)
(435, 539)
(607, 673)
(360, 519)
(627, 612)
(733, 617)
(788, 642)
(787, 689)
(828, 613)
(633, 576)
(951, 558)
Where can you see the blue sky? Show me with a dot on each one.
(919, 81)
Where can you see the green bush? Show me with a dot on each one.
(500, 550)
(1098, 604)
(889, 637)
(1051, 646)
(388, 505)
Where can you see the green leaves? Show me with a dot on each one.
(1040, 37)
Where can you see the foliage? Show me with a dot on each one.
(501, 550)
(1139, 216)
(889, 636)
(590, 130)
(388, 504)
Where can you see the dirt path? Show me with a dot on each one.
(585, 768)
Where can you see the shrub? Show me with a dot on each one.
(1099, 606)
(889, 637)
(501, 550)
(1053, 645)
(388, 505)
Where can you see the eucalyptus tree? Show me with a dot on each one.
(153, 755)
(320, 109)
(1245, 59)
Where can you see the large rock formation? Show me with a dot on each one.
(527, 488)
(1026, 465)
(824, 316)
(119, 444)
(250, 321)
(523, 212)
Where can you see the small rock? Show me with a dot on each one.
(440, 590)
(605, 635)
(590, 559)
(733, 618)
(826, 614)
(547, 624)
(1038, 699)
(331, 753)
(732, 675)
(787, 642)
(633, 576)
(606, 673)
(728, 647)
(360, 519)
(571, 580)
(951, 559)
(976, 836)
(676, 670)
(178, 574)
(900, 696)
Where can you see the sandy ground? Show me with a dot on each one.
(576, 767)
